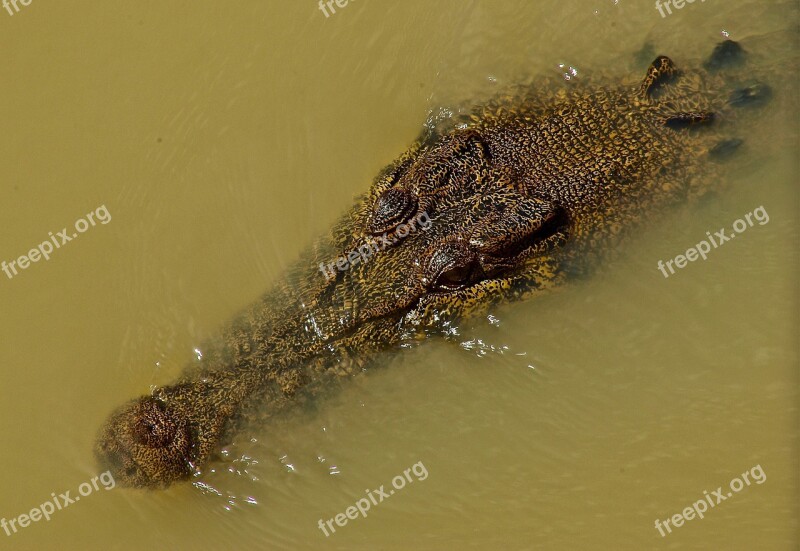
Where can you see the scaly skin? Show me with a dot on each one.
(523, 192)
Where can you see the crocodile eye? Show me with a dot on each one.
(453, 267)
(455, 278)
(393, 208)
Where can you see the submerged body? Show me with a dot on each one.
(508, 201)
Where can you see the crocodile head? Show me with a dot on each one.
(441, 234)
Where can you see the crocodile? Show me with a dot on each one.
(523, 193)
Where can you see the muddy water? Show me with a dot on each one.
(219, 140)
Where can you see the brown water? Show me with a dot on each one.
(222, 138)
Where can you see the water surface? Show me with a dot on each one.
(222, 139)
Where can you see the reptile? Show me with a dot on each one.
(523, 193)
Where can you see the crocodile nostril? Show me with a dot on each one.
(154, 427)
(154, 435)
(392, 209)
